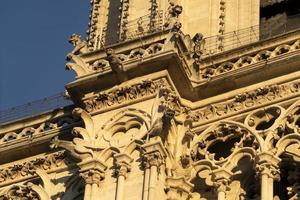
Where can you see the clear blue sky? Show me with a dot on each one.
(33, 45)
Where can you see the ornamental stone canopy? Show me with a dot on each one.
(175, 100)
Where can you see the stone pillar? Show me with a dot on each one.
(221, 178)
(267, 166)
(92, 173)
(178, 188)
(122, 168)
(221, 189)
(154, 155)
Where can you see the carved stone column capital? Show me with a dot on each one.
(221, 178)
(154, 153)
(92, 171)
(153, 159)
(122, 164)
(221, 185)
(268, 169)
(178, 188)
(268, 164)
(92, 176)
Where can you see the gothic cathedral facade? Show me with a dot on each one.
(172, 100)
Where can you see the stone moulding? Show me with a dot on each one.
(22, 171)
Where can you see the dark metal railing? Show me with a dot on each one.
(33, 108)
(219, 43)
(136, 28)
(144, 25)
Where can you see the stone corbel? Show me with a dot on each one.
(178, 188)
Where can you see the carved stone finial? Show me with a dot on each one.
(80, 46)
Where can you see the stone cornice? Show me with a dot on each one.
(233, 105)
(234, 69)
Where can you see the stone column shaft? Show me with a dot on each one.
(268, 171)
(221, 195)
(87, 192)
(120, 188)
(92, 179)
(154, 157)
(123, 167)
(152, 182)
(146, 183)
(264, 187)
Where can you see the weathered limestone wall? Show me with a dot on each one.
(209, 16)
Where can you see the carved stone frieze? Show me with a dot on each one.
(123, 95)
